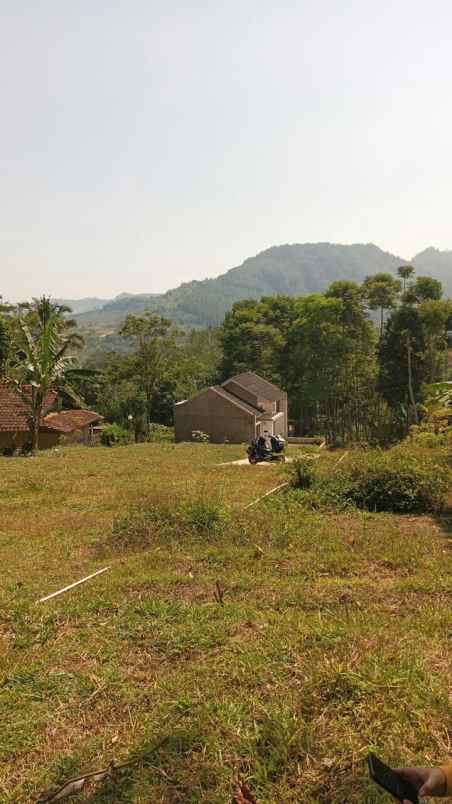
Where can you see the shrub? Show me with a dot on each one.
(206, 516)
(140, 526)
(113, 435)
(200, 437)
(160, 432)
(398, 481)
(302, 473)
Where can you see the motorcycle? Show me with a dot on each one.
(266, 449)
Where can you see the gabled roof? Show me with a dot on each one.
(239, 403)
(14, 412)
(66, 421)
(256, 385)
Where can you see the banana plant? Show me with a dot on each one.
(41, 363)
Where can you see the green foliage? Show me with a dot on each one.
(4, 343)
(381, 291)
(302, 473)
(113, 435)
(404, 325)
(401, 480)
(187, 363)
(405, 272)
(424, 288)
(294, 270)
(142, 526)
(41, 357)
(160, 433)
(206, 516)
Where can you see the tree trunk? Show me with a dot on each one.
(35, 425)
(410, 380)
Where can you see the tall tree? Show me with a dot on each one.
(155, 341)
(435, 316)
(425, 288)
(402, 361)
(331, 371)
(405, 272)
(254, 336)
(382, 291)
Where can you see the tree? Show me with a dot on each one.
(352, 297)
(154, 338)
(381, 291)
(405, 272)
(330, 375)
(425, 288)
(4, 343)
(435, 316)
(254, 336)
(41, 361)
(403, 370)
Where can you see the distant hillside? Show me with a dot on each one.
(438, 264)
(295, 270)
(292, 269)
(83, 305)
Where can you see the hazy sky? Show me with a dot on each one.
(148, 142)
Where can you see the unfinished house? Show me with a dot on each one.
(240, 409)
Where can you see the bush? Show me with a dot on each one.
(160, 432)
(200, 437)
(139, 527)
(398, 481)
(113, 435)
(206, 516)
(152, 523)
(302, 473)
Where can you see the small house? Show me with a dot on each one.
(237, 411)
(72, 425)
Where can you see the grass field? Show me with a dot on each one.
(333, 636)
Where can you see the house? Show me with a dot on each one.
(240, 409)
(73, 425)
(77, 426)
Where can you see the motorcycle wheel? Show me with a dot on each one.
(252, 459)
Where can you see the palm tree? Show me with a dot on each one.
(43, 363)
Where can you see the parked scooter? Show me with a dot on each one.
(267, 448)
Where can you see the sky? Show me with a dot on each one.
(145, 143)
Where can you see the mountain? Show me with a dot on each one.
(295, 270)
(438, 264)
(83, 305)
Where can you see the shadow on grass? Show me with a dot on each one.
(444, 520)
(168, 764)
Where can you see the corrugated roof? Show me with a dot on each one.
(263, 389)
(14, 412)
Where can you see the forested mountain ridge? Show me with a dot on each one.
(295, 270)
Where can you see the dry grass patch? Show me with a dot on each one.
(333, 636)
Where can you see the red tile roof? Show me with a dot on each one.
(14, 412)
(66, 421)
